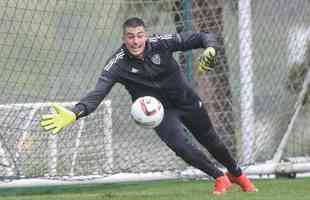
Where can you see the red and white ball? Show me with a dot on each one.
(147, 112)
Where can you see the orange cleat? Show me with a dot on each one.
(243, 181)
(222, 184)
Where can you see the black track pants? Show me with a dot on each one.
(171, 131)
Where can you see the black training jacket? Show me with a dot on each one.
(158, 75)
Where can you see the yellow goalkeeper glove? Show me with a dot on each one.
(207, 60)
(61, 118)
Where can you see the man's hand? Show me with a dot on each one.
(207, 60)
(61, 118)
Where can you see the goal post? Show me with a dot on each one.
(29, 141)
(246, 80)
(54, 51)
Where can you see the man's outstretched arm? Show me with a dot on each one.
(62, 117)
(192, 40)
(186, 41)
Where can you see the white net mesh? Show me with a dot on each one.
(53, 51)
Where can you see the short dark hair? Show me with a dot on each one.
(133, 22)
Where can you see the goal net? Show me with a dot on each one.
(53, 51)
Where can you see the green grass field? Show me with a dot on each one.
(278, 189)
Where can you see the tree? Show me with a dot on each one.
(214, 87)
(297, 74)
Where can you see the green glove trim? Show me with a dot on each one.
(207, 60)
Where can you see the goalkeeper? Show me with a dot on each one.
(146, 67)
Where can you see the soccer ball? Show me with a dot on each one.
(147, 112)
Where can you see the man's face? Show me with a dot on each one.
(135, 39)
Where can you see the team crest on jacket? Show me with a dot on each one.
(156, 59)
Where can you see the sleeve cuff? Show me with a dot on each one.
(79, 110)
